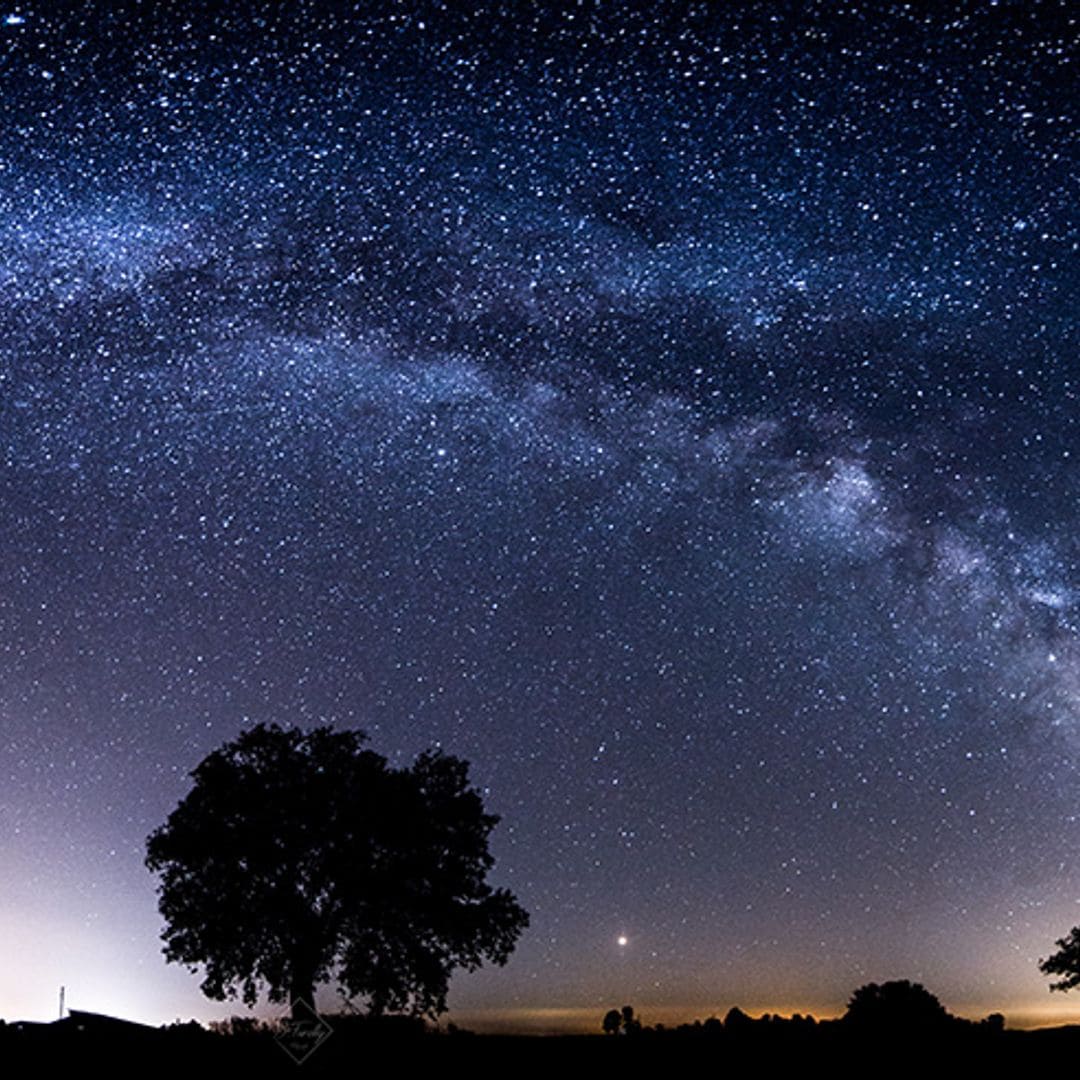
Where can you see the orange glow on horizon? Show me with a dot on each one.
(586, 1020)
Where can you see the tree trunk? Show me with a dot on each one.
(302, 994)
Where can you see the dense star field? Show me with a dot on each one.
(673, 411)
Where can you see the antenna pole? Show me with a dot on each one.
(61, 1003)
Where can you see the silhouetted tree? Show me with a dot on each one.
(612, 1022)
(895, 1005)
(1065, 962)
(736, 1020)
(631, 1025)
(299, 857)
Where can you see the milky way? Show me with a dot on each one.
(671, 411)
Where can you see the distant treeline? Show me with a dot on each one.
(899, 1008)
(883, 1025)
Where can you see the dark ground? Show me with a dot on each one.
(85, 1043)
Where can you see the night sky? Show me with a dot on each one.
(672, 411)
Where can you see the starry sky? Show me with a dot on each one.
(670, 408)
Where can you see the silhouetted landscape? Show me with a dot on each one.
(301, 857)
(883, 1024)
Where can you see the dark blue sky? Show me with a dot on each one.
(671, 410)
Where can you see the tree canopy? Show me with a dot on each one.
(301, 856)
(899, 1004)
(1065, 962)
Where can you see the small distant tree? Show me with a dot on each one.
(1065, 962)
(736, 1020)
(895, 1005)
(621, 1022)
